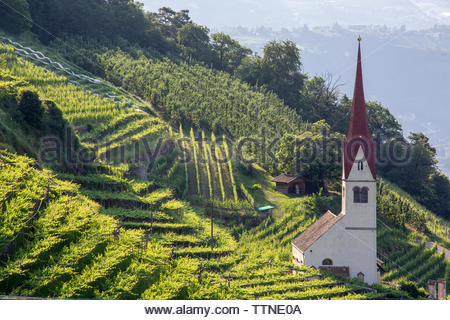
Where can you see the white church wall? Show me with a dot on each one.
(359, 214)
(298, 257)
(353, 248)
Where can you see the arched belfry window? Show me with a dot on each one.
(356, 195)
(360, 195)
(327, 262)
(364, 195)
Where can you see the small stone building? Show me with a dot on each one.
(290, 184)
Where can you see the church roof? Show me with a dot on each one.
(286, 178)
(358, 133)
(316, 230)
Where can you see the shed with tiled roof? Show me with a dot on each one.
(290, 183)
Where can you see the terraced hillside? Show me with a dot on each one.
(270, 274)
(409, 260)
(58, 243)
(128, 232)
(67, 246)
(210, 171)
(61, 246)
(393, 200)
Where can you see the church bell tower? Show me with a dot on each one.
(359, 183)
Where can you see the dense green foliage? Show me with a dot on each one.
(29, 105)
(15, 16)
(26, 120)
(278, 70)
(315, 154)
(425, 181)
(398, 209)
(229, 52)
(114, 21)
(401, 209)
(201, 97)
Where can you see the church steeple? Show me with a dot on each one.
(358, 123)
(358, 133)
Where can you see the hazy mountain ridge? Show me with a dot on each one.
(415, 14)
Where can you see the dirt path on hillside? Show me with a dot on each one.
(440, 249)
(274, 201)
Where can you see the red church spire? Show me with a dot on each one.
(358, 122)
(358, 133)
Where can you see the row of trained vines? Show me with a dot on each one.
(400, 209)
(201, 97)
(209, 170)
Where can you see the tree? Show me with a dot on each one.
(228, 51)
(250, 70)
(425, 153)
(286, 153)
(15, 16)
(279, 70)
(314, 154)
(53, 118)
(319, 101)
(418, 167)
(381, 121)
(30, 106)
(194, 40)
(440, 201)
(170, 21)
(114, 22)
(128, 20)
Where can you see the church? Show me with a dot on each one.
(346, 243)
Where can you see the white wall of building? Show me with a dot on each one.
(298, 256)
(359, 214)
(352, 240)
(353, 248)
